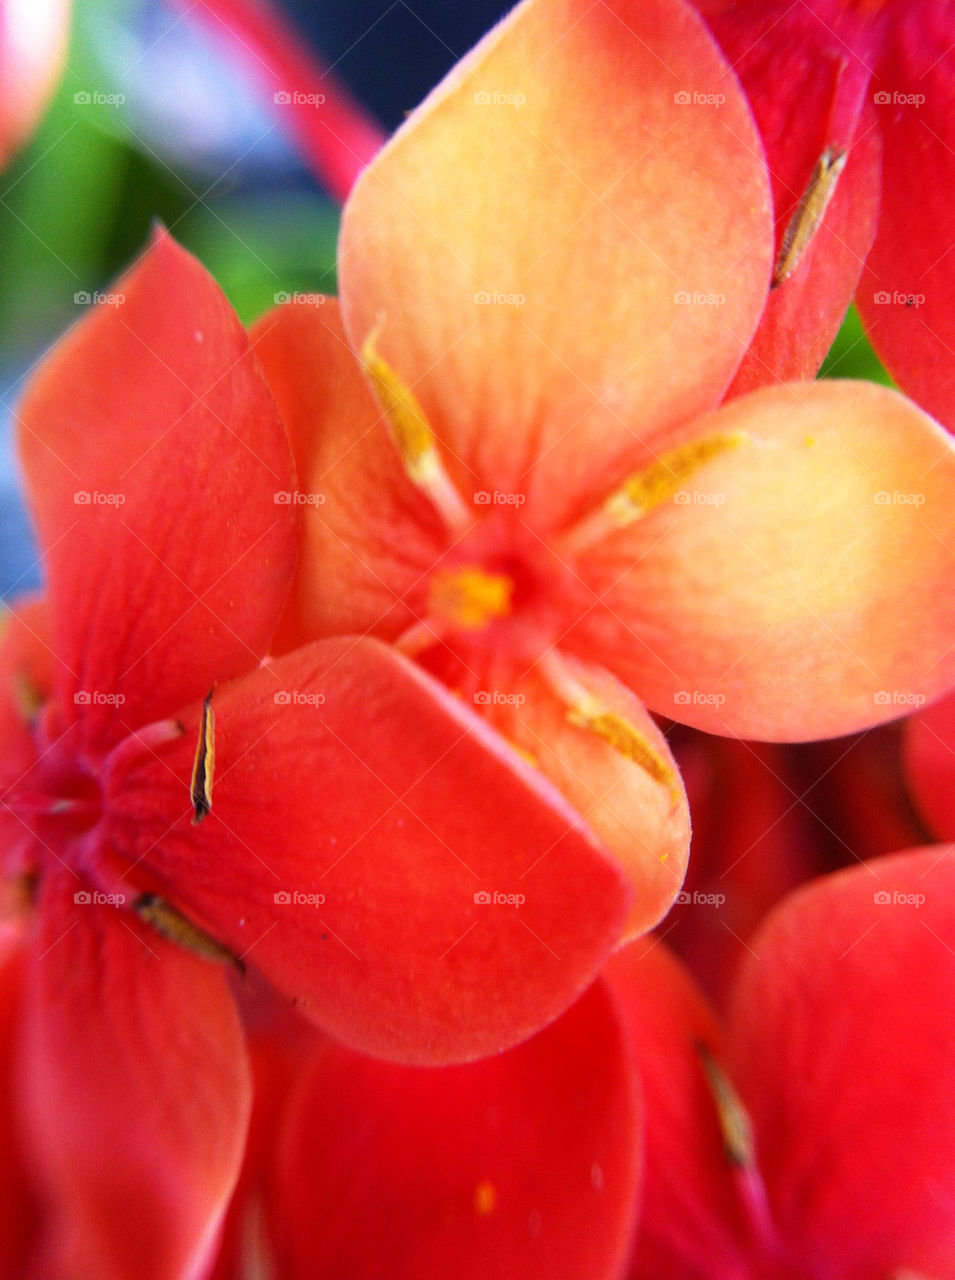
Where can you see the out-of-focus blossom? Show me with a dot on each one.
(815, 1134)
(33, 39)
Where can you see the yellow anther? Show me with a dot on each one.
(809, 213)
(485, 1199)
(620, 734)
(735, 1127)
(469, 597)
(586, 711)
(666, 477)
(172, 924)
(27, 697)
(412, 435)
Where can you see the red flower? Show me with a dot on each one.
(815, 1136)
(169, 837)
(527, 1163)
(537, 495)
(853, 101)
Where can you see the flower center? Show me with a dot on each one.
(470, 597)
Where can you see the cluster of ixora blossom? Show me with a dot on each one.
(337, 796)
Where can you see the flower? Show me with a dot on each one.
(807, 1136)
(871, 131)
(33, 39)
(803, 1136)
(169, 801)
(527, 482)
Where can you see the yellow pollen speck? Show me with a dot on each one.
(485, 1199)
(470, 598)
(666, 477)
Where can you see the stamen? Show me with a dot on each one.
(174, 926)
(470, 597)
(413, 437)
(649, 488)
(586, 711)
(203, 766)
(809, 213)
(734, 1122)
(737, 1133)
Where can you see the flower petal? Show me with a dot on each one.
(153, 452)
(930, 765)
(134, 1089)
(525, 275)
(799, 585)
(906, 294)
(524, 1164)
(635, 803)
(369, 536)
(363, 824)
(18, 1210)
(843, 1043)
(26, 677)
(689, 1225)
(770, 45)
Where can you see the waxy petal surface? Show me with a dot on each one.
(153, 453)
(362, 823)
(930, 766)
(524, 1164)
(689, 1223)
(906, 294)
(369, 536)
(774, 45)
(644, 820)
(522, 271)
(17, 1205)
(134, 1089)
(800, 586)
(843, 1047)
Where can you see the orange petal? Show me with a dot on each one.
(369, 534)
(566, 248)
(620, 776)
(798, 586)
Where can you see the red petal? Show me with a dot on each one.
(153, 453)
(550, 309)
(18, 1211)
(359, 816)
(906, 294)
(799, 586)
(689, 1221)
(134, 1090)
(843, 1043)
(771, 45)
(523, 1165)
(930, 766)
(26, 677)
(370, 536)
(643, 820)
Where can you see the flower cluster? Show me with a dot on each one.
(387, 648)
